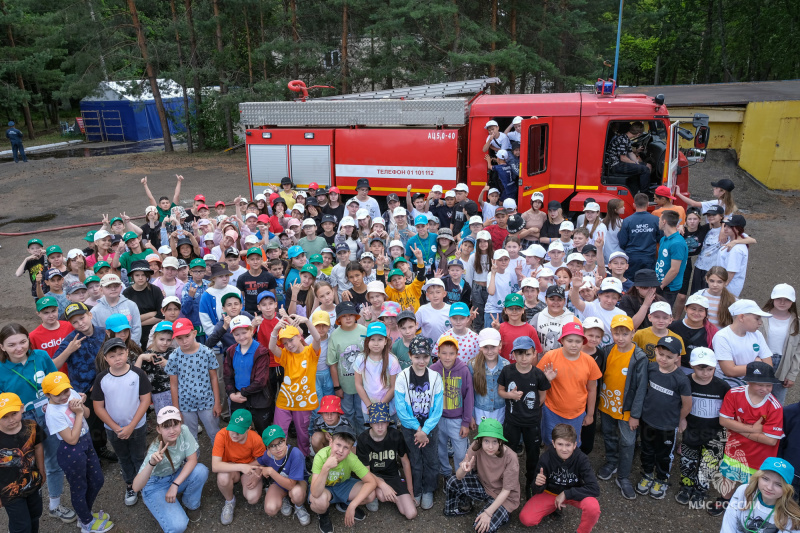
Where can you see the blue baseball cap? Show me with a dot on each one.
(295, 251)
(780, 466)
(421, 220)
(161, 326)
(468, 239)
(117, 322)
(455, 262)
(523, 343)
(265, 294)
(459, 309)
(378, 412)
(376, 328)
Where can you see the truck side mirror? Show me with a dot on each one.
(701, 137)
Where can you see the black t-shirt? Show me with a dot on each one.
(338, 212)
(19, 477)
(251, 286)
(527, 411)
(694, 239)
(550, 230)
(359, 299)
(662, 402)
(420, 396)
(329, 239)
(382, 458)
(147, 301)
(456, 293)
(692, 338)
(702, 424)
(33, 267)
(152, 235)
(444, 214)
(631, 303)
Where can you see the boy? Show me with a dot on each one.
(419, 401)
(459, 402)
(276, 268)
(622, 395)
(380, 449)
(565, 477)
(114, 302)
(580, 238)
(530, 292)
(667, 403)
(330, 417)
(466, 338)
(49, 335)
(660, 317)
(311, 243)
(754, 420)
(663, 199)
(401, 231)
(456, 289)
(331, 481)
(357, 293)
(221, 334)
(703, 440)
(54, 281)
(268, 307)
(192, 293)
(741, 342)
(549, 322)
(618, 265)
(338, 277)
(423, 241)
(433, 317)
(344, 345)
(164, 205)
(93, 291)
(192, 370)
(407, 324)
(397, 290)
(34, 264)
(328, 230)
(524, 387)
(556, 254)
(233, 459)
(211, 308)
(605, 307)
(255, 280)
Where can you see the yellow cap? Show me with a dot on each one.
(9, 403)
(622, 321)
(288, 332)
(320, 317)
(447, 338)
(55, 383)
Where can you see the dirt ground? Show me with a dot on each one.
(52, 192)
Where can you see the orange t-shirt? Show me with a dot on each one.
(299, 387)
(567, 395)
(233, 452)
(678, 209)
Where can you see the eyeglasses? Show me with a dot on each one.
(276, 444)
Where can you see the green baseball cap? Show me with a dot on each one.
(255, 250)
(316, 258)
(241, 420)
(91, 279)
(272, 433)
(395, 272)
(89, 236)
(400, 259)
(273, 246)
(514, 300)
(128, 236)
(100, 264)
(197, 263)
(311, 269)
(230, 295)
(35, 241)
(45, 302)
(491, 428)
(113, 220)
(54, 249)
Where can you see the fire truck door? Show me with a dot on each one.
(534, 168)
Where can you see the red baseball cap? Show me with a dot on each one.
(263, 218)
(334, 189)
(220, 203)
(313, 185)
(200, 197)
(331, 404)
(663, 190)
(202, 206)
(570, 328)
(182, 326)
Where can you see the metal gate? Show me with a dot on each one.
(103, 125)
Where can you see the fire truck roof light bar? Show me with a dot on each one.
(436, 90)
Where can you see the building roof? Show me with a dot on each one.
(721, 94)
(133, 90)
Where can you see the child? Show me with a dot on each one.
(54, 281)
(514, 326)
(550, 321)
(344, 345)
(433, 316)
(663, 415)
(663, 199)
(114, 302)
(283, 467)
(485, 369)
(754, 420)
(357, 294)
(49, 335)
(211, 307)
(22, 479)
(721, 190)
(524, 387)
(660, 317)
(605, 307)
(321, 320)
(330, 417)
(621, 402)
(34, 264)
(297, 396)
(276, 268)
(397, 290)
(192, 294)
(530, 292)
(565, 477)
(153, 362)
(489, 472)
(376, 295)
(618, 265)
(236, 449)
(501, 282)
(76, 455)
(419, 400)
(466, 338)
(376, 369)
(381, 449)
(192, 370)
(255, 280)
(246, 374)
(580, 238)
(593, 333)
(389, 312)
(121, 396)
(407, 324)
(331, 481)
(458, 404)
(573, 389)
(704, 438)
(488, 208)
(782, 332)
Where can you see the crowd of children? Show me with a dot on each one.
(358, 359)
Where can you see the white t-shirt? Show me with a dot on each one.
(601, 228)
(488, 211)
(760, 518)
(371, 378)
(728, 346)
(235, 275)
(501, 142)
(371, 205)
(612, 243)
(778, 331)
(549, 327)
(60, 417)
(735, 261)
(708, 253)
(504, 284)
(705, 206)
(514, 136)
(433, 322)
(596, 310)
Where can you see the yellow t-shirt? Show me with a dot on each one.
(408, 297)
(613, 387)
(647, 340)
(298, 390)
(289, 200)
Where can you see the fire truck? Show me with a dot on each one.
(435, 134)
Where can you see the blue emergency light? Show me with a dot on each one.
(605, 87)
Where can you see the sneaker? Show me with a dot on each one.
(372, 506)
(606, 471)
(97, 525)
(684, 495)
(698, 499)
(644, 485)
(107, 455)
(658, 490)
(194, 515)
(626, 488)
(718, 506)
(427, 500)
(131, 497)
(360, 514)
(342, 508)
(65, 514)
(100, 515)
(302, 515)
(227, 512)
(286, 507)
(417, 500)
(325, 525)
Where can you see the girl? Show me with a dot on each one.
(389, 312)
(722, 191)
(592, 221)
(376, 296)
(364, 223)
(514, 326)
(694, 233)
(593, 330)
(297, 259)
(325, 299)
(278, 221)
(171, 468)
(476, 274)
(76, 267)
(501, 282)
(103, 252)
(516, 264)
(186, 248)
(153, 361)
(169, 283)
(782, 332)
(489, 472)
(376, 369)
(154, 261)
(445, 250)
(485, 369)
(348, 234)
(613, 223)
(551, 229)
(695, 330)
(719, 297)
(118, 327)
(534, 255)
(335, 206)
(396, 249)
(564, 277)
(147, 297)
(321, 320)
(733, 256)
(302, 299)
(151, 229)
(121, 396)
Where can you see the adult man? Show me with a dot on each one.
(639, 236)
(673, 254)
(496, 140)
(15, 136)
(365, 201)
(621, 158)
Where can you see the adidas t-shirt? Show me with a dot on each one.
(738, 405)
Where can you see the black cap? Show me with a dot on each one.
(322, 191)
(760, 372)
(286, 181)
(345, 308)
(471, 208)
(343, 429)
(72, 287)
(75, 309)
(183, 241)
(403, 315)
(555, 290)
(420, 345)
(140, 266)
(328, 218)
(116, 238)
(715, 210)
(363, 182)
(670, 343)
(219, 269)
(310, 200)
(279, 200)
(734, 220)
(110, 344)
(724, 184)
(646, 277)
(515, 223)
(589, 248)
(231, 251)
(552, 204)
(693, 211)
(392, 198)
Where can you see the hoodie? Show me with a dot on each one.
(103, 310)
(459, 400)
(573, 476)
(211, 307)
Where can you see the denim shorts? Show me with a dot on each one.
(340, 493)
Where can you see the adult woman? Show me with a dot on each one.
(613, 223)
(151, 229)
(550, 228)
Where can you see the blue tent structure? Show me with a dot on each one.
(126, 111)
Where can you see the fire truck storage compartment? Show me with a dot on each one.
(305, 155)
(393, 158)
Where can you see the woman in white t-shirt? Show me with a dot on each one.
(592, 221)
(782, 331)
(733, 258)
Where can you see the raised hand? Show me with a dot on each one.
(541, 479)
(179, 177)
(467, 464)
(417, 252)
(158, 456)
(75, 343)
(495, 321)
(144, 180)
(549, 372)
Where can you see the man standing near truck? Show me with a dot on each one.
(623, 160)
(639, 236)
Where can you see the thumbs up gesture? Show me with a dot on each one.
(541, 479)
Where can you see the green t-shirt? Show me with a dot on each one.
(400, 350)
(127, 258)
(312, 247)
(185, 446)
(350, 465)
(162, 214)
(343, 348)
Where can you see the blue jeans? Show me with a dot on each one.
(55, 476)
(351, 405)
(324, 388)
(171, 516)
(620, 441)
(449, 429)
(550, 420)
(489, 317)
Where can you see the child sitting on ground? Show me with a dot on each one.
(283, 467)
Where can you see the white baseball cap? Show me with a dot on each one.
(450, 194)
(347, 221)
(399, 212)
(75, 252)
(299, 207)
(611, 284)
(588, 283)
(500, 253)
(433, 282)
(501, 154)
(376, 286)
(209, 257)
(397, 243)
(529, 282)
(556, 245)
(240, 321)
(702, 356)
(250, 239)
(575, 256)
(260, 197)
(301, 193)
(437, 188)
(309, 222)
(538, 195)
(781, 290)
(165, 250)
(170, 300)
(475, 219)
(664, 307)
(462, 187)
(250, 215)
(112, 279)
(493, 191)
(593, 322)
(366, 255)
(361, 214)
(101, 234)
(743, 307)
(208, 237)
(490, 123)
(592, 206)
(378, 220)
(483, 234)
(517, 120)
(566, 226)
(535, 250)
(614, 255)
(509, 203)
(545, 273)
(489, 337)
(170, 261)
(698, 299)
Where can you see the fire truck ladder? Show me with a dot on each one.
(436, 90)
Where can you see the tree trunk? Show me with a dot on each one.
(263, 61)
(151, 75)
(295, 38)
(186, 117)
(492, 68)
(343, 59)
(249, 47)
(658, 66)
(26, 111)
(512, 77)
(223, 88)
(702, 60)
(456, 39)
(723, 47)
(198, 90)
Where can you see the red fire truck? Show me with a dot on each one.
(428, 135)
